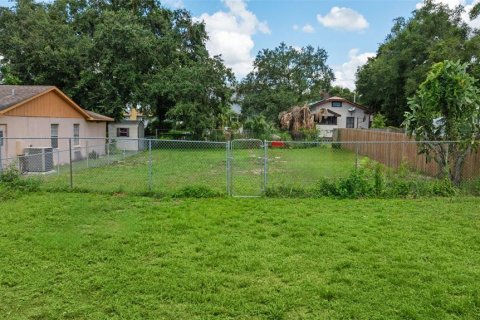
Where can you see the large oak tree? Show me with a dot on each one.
(108, 55)
(284, 77)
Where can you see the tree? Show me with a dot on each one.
(434, 33)
(446, 107)
(345, 93)
(109, 55)
(284, 77)
(379, 121)
(200, 106)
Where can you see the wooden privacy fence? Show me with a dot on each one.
(393, 149)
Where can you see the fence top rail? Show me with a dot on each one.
(364, 142)
(111, 140)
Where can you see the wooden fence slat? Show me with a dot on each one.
(390, 152)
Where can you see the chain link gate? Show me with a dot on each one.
(247, 168)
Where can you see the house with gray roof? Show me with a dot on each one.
(40, 116)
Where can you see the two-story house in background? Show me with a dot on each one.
(336, 112)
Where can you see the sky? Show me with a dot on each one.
(350, 31)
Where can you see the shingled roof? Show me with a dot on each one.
(13, 95)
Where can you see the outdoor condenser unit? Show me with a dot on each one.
(38, 160)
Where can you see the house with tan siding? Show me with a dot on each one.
(28, 113)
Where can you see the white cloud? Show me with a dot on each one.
(345, 73)
(175, 4)
(230, 35)
(308, 28)
(452, 4)
(343, 18)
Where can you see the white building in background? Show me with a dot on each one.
(336, 112)
(126, 133)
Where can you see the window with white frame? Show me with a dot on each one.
(54, 135)
(76, 134)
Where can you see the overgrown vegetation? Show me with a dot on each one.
(373, 180)
(13, 185)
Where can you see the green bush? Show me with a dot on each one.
(289, 191)
(374, 180)
(11, 178)
(196, 192)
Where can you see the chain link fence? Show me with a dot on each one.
(241, 167)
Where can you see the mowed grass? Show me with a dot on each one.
(91, 256)
(174, 169)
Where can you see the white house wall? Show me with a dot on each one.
(361, 118)
(128, 144)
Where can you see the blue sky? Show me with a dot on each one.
(350, 31)
(306, 22)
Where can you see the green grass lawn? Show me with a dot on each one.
(176, 168)
(91, 256)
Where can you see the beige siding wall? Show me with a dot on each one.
(23, 128)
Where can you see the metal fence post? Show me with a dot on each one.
(265, 165)
(108, 150)
(87, 154)
(1, 163)
(70, 161)
(150, 165)
(58, 161)
(227, 166)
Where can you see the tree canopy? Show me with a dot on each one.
(108, 55)
(432, 34)
(284, 77)
(446, 107)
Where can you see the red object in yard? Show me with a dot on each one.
(278, 144)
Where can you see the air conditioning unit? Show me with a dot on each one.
(38, 160)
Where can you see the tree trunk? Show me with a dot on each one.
(162, 106)
(457, 170)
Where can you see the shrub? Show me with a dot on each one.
(196, 192)
(289, 191)
(11, 178)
